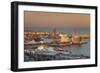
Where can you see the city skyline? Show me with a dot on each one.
(49, 36)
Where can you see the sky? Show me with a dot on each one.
(46, 21)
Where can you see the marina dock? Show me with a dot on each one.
(43, 46)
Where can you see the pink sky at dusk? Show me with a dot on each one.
(47, 19)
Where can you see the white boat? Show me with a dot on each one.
(30, 42)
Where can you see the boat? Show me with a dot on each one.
(80, 43)
(59, 44)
